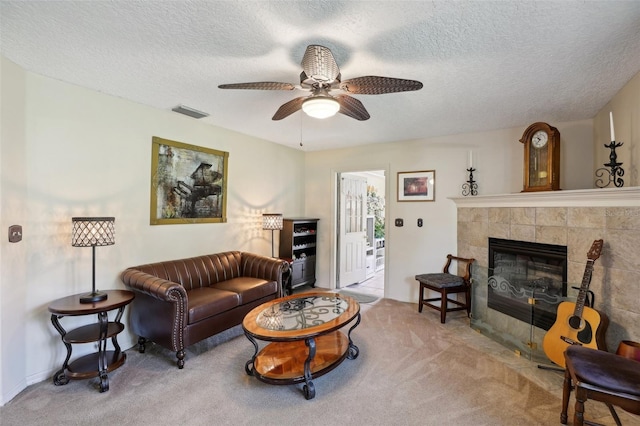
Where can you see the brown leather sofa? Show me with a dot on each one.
(181, 302)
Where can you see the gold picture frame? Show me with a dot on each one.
(188, 183)
(417, 186)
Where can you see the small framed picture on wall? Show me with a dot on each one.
(417, 186)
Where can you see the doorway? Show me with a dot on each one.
(360, 217)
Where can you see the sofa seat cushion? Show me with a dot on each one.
(208, 301)
(248, 289)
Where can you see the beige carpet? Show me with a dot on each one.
(411, 371)
(362, 298)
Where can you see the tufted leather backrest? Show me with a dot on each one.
(200, 271)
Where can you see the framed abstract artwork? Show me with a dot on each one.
(417, 186)
(188, 183)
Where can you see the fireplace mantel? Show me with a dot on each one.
(604, 197)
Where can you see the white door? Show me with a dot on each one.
(353, 238)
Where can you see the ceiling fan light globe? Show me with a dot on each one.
(321, 107)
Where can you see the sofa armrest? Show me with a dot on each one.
(153, 286)
(268, 268)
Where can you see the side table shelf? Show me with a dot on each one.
(100, 363)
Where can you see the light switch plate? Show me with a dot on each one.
(15, 233)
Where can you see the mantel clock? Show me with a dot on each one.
(541, 158)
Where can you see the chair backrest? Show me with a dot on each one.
(462, 262)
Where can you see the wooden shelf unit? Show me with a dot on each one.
(298, 240)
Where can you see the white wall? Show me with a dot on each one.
(13, 340)
(625, 106)
(68, 151)
(498, 158)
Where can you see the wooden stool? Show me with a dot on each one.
(600, 376)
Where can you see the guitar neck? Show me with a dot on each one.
(584, 288)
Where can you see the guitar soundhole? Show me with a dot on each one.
(575, 322)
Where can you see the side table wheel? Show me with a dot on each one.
(60, 379)
(309, 390)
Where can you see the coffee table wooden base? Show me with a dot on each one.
(283, 362)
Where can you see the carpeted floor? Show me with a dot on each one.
(360, 297)
(412, 370)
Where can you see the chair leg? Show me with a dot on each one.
(614, 414)
(421, 298)
(566, 394)
(443, 306)
(578, 416)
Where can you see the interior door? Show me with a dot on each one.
(352, 224)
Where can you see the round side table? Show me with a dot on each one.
(100, 363)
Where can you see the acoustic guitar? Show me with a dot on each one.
(577, 324)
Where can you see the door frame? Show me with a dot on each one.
(335, 175)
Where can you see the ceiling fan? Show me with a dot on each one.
(321, 76)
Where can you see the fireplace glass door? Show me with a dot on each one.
(515, 298)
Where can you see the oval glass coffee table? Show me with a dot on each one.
(305, 336)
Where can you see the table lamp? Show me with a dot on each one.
(92, 232)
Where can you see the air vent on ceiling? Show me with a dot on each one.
(189, 111)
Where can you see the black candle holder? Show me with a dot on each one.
(470, 187)
(615, 174)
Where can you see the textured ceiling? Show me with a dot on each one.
(485, 65)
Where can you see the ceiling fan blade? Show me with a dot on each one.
(260, 85)
(288, 108)
(318, 63)
(374, 85)
(352, 107)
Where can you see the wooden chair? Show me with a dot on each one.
(600, 376)
(447, 283)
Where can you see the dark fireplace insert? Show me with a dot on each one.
(527, 280)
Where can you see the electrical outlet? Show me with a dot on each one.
(399, 222)
(15, 233)
(419, 223)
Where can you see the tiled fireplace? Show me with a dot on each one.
(571, 219)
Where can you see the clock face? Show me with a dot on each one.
(539, 139)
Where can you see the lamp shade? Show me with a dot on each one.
(321, 106)
(272, 221)
(93, 231)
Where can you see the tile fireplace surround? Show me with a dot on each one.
(574, 218)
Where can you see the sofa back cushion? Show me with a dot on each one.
(197, 272)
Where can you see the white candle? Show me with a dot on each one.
(470, 161)
(613, 134)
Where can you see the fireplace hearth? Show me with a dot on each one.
(527, 280)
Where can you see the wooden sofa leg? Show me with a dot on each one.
(141, 344)
(180, 355)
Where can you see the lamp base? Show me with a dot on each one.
(93, 297)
